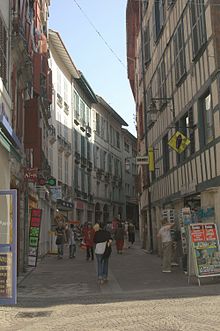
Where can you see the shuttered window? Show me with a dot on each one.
(3, 52)
(199, 38)
(179, 53)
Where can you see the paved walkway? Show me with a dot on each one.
(63, 295)
(133, 272)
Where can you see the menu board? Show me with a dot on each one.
(206, 249)
(6, 275)
(34, 235)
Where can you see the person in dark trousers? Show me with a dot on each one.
(131, 234)
(102, 239)
(61, 238)
(72, 242)
(88, 239)
(119, 238)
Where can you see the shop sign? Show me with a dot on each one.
(8, 247)
(34, 235)
(56, 192)
(205, 245)
(178, 142)
(30, 175)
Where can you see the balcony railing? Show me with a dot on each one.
(61, 143)
(52, 134)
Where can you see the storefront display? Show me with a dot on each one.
(8, 247)
(34, 235)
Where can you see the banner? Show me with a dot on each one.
(206, 252)
(34, 235)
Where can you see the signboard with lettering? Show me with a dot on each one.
(205, 249)
(34, 235)
(8, 247)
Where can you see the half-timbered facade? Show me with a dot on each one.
(173, 67)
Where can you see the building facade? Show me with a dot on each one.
(173, 67)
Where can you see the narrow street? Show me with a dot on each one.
(64, 295)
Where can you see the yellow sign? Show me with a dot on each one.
(178, 142)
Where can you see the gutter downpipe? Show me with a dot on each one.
(146, 137)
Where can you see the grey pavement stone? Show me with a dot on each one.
(64, 295)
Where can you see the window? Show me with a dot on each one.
(66, 170)
(158, 18)
(88, 151)
(205, 120)
(76, 177)
(179, 53)
(59, 78)
(117, 139)
(60, 172)
(126, 146)
(166, 159)
(97, 123)
(66, 92)
(145, 5)
(83, 147)
(198, 25)
(82, 111)
(162, 83)
(186, 126)
(76, 105)
(109, 163)
(59, 126)
(83, 180)
(147, 51)
(87, 116)
(3, 52)
(76, 140)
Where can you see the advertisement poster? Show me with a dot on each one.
(205, 246)
(34, 235)
(8, 247)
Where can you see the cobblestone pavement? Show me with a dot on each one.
(64, 295)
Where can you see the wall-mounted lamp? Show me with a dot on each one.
(154, 108)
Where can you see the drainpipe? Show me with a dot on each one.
(145, 135)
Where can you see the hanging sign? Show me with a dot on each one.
(34, 235)
(205, 247)
(179, 142)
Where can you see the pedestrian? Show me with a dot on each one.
(119, 238)
(103, 240)
(61, 238)
(131, 234)
(88, 240)
(72, 242)
(165, 235)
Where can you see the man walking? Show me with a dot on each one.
(165, 235)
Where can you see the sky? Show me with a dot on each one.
(104, 72)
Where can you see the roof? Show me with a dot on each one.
(113, 113)
(56, 41)
(129, 134)
(82, 82)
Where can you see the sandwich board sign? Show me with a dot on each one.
(205, 250)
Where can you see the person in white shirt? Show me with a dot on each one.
(165, 235)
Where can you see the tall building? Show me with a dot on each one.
(173, 68)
